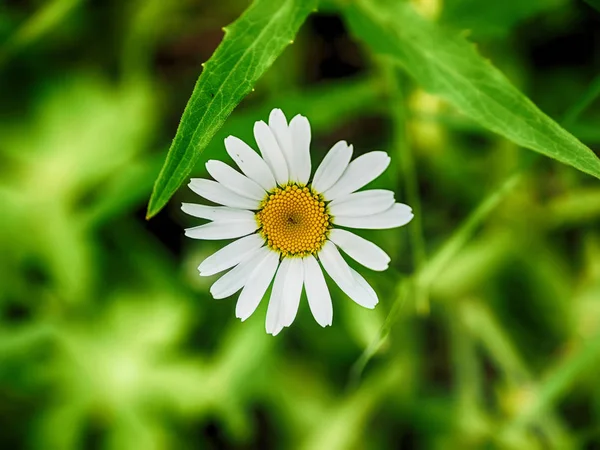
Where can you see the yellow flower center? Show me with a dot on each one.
(294, 220)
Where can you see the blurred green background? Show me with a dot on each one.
(487, 334)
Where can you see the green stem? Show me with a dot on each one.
(465, 364)
(460, 237)
(588, 97)
(433, 267)
(403, 292)
(559, 381)
(404, 152)
(484, 327)
(40, 23)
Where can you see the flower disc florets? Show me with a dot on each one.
(294, 220)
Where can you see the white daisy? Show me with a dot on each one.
(286, 224)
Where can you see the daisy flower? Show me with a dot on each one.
(286, 224)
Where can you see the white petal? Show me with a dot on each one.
(360, 172)
(274, 322)
(368, 299)
(237, 277)
(222, 229)
(256, 286)
(293, 291)
(250, 162)
(332, 260)
(279, 126)
(235, 181)
(332, 167)
(300, 132)
(285, 296)
(230, 255)
(216, 212)
(317, 293)
(270, 151)
(347, 278)
(361, 250)
(217, 193)
(364, 203)
(399, 214)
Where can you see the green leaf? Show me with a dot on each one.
(251, 44)
(449, 66)
(492, 19)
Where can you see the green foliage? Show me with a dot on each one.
(492, 18)
(487, 331)
(42, 22)
(249, 47)
(448, 66)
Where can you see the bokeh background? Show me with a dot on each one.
(487, 334)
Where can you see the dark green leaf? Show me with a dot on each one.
(449, 66)
(250, 46)
(492, 18)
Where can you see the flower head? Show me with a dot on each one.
(285, 223)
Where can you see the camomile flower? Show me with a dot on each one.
(286, 224)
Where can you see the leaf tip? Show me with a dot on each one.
(154, 207)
